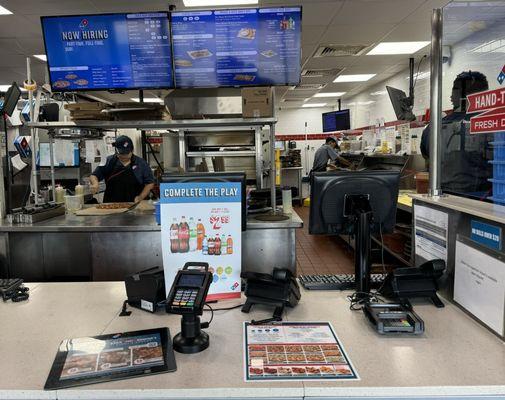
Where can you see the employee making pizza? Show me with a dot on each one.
(128, 178)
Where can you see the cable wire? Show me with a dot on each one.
(212, 313)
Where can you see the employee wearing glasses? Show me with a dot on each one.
(128, 178)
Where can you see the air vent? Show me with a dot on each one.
(340, 50)
(309, 86)
(316, 73)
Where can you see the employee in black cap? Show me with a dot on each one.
(128, 178)
(328, 151)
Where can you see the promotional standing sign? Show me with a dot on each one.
(202, 222)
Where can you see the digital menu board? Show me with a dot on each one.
(109, 51)
(237, 47)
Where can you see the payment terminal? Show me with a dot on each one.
(187, 298)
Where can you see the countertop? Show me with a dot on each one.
(492, 212)
(131, 221)
(454, 357)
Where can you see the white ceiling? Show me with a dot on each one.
(363, 22)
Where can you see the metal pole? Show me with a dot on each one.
(34, 187)
(273, 171)
(51, 158)
(436, 101)
(272, 168)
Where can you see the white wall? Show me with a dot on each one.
(374, 104)
(292, 120)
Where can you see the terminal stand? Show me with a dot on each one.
(358, 207)
(191, 339)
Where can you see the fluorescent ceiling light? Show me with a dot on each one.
(42, 57)
(4, 88)
(314, 105)
(387, 48)
(330, 94)
(354, 78)
(148, 100)
(420, 76)
(379, 93)
(4, 11)
(211, 3)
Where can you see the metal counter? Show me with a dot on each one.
(106, 248)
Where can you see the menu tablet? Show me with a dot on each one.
(240, 47)
(104, 358)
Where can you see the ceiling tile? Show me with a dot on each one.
(383, 11)
(360, 33)
(311, 34)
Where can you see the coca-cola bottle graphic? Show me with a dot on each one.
(205, 246)
(200, 234)
(192, 235)
(183, 236)
(217, 246)
(229, 245)
(211, 246)
(174, 236)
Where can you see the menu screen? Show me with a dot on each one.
(110, 51)
(237, 47)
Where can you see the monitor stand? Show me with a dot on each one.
(358, 206)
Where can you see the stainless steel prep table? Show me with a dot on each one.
(455, 358)
(104, 248)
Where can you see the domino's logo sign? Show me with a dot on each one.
(501, 76)
(84, 24)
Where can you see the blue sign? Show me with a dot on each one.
(487, 235)
(198, 192)
(237, 47)
(110, 51)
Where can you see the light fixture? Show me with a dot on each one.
(354, 78)
(4, 11)
(330, 94)
(388, 48)
(4, 88)
(314, 105)
(420, 76)
(148, 100)
(212, 3)
(365, 103)
(42, 57)
(379, 93)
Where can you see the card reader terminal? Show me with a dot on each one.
(187, 298)
(189, 290)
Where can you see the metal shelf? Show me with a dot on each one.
(245, 153)
(174, 124)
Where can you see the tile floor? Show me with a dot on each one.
(320, 254)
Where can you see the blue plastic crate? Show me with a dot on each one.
(498, 169)
(499, 137)
(498, 188)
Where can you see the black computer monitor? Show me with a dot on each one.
(336, 121)
(358, 203)
(11, 99)
(214, 177)
(401, 104)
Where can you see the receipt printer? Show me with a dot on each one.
(146, 289)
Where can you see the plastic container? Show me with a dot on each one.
(60, 195)
(157, 212)
(287, 201)
(79, 190)
(422, 182)
(74, 203)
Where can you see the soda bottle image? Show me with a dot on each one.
(183, 236)
(205, 246)
(229, 245)
(192, 235)
(200, 233)
(217, 246)
(174, 236)
(223, 244)
(211, 246)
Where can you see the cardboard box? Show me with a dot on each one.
(257, 102)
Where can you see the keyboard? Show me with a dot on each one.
(8, 285)
(337, 282)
